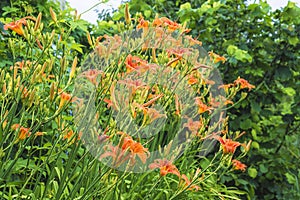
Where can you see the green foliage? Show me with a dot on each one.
(50, 145)
(263, 46)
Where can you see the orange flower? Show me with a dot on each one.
(110, 103)
(202, 107)
(226, 86)
(153, 114)
(216, 58)
(165, 167)
(193, 126)
(16, 26)
(103, 138)
(39, 133)
(142, 23)
(135, 63)
(68, 135)
(133, 84)
(118, 155)
(188, 183)
(135, 148)
(192, 80)
(92, 75)
(221, 101)
(179, 52)
(229, 146)
(23, 132)
(193, 41)
(64, 97)
(237, 165)
(243, 83)
(157, 22)
(172, 26)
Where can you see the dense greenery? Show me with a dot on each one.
(263, 46)
(133, 119)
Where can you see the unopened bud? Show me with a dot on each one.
(51, 65)
(38, 21)
(89, 39)
(39, 44)
(154, 55)
(52, 92)
(31, 97)
(15, 72)
(73, 69)
(63, 64)
(43, 68)
(4, 88)
(127, 15)
(53, 15)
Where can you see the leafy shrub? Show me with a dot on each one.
(263, 46)
(52, 139)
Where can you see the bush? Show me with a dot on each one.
(76, 128)
(263, 46)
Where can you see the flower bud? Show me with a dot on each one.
(4, 88)
(38, 21)
(50, 65)
(73, 68)
(127, 15)
(89, 39)
(52, 91)
(53, 15)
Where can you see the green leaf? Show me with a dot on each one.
(290, 178)
(263, 168)
(231, 49)
(185, 6)
(254, 134)
(293, 40)
(255, 145)
(252, 172)
(239, 54)
(77, 47)
(289, 91)
(147, 13)
(246, 124)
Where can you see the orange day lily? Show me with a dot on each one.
(135, 148)
(163, 21)
(188, 182)
(165, 167)
(193, 126)
(192, 80)
(142, 23)
(135, 63)
(226, 87)
(237, 165)
(117, 154)
(17, 26)
(202, 107)
(92, 75)
(193, 41)
(68, 135)
(243, 83)
(229, 146)
(64, 98)
(216, 58)
(23, 132)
